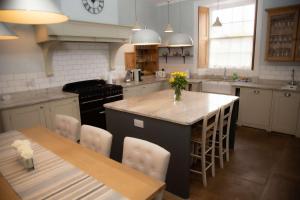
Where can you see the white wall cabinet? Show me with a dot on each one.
(255, 107)
(285, 112)
(39, 114)
(144, 89)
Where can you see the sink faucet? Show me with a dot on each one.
(293, 82)
(225, 73)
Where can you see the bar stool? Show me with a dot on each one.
(223, 133)
(203, 147)
(147, 158)
(67, 126)
(96, 139)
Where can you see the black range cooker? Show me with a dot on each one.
(93, 94)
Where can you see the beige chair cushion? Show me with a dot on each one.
(67, 126)
(146, 157)
(96, 139)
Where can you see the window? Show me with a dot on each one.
(231, 45)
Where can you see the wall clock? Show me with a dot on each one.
(93, 6)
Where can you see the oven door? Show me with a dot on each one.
(92, 112)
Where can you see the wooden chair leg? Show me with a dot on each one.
(221, 151)
(227, 148)
(203, 165)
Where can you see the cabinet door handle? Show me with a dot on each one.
(287, 94)
(256, 91)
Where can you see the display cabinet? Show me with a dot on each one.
(282, 42)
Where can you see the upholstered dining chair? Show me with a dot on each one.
(68, 127)
(147, 158)
(96, 139)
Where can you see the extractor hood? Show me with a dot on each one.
(78, 31)
(49, 36)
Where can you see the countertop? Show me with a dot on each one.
(271, 86)
(160, 105)
(33, 97)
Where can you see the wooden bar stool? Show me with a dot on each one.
(223, 133)
(203, 145)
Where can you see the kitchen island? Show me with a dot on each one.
(157, 118)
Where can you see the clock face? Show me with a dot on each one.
(93, 6)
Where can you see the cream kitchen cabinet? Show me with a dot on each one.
(68, 107)
(285, 109)
(144, 89)
(24, 117)
(255, 108)
(38, 114)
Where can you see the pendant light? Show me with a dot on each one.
(180, 39)
(6, 33)
(217, 23)
(136, 26)
(145, 37)
(31, 12)
(168, 28)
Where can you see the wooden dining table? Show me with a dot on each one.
(123, 179)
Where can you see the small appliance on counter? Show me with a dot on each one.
(161, 73)
(138, 75)
(128, 76)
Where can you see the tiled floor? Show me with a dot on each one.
(263, 166)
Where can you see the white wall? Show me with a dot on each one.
(21, 55)
(146, 13)
(76, 11)
(71, 62)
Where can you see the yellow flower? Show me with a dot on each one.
(179, 74)
(171, 80)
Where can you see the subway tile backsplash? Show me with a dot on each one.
(71, 62)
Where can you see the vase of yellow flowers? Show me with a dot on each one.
(178, 82)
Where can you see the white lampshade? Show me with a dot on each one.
(6, 33)
(180, 40)
(145, 37)
(31, 12)
(168, 29)
(136, 27)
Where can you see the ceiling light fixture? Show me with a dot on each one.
(217, 23)
(136, 26)
(168, 28)
(31, 12)
(180, 39)
(145, 37)
(6, 33)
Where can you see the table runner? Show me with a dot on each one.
(52, 178)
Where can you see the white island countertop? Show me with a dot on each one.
(193, 107)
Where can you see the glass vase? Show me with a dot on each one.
(177, 94)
